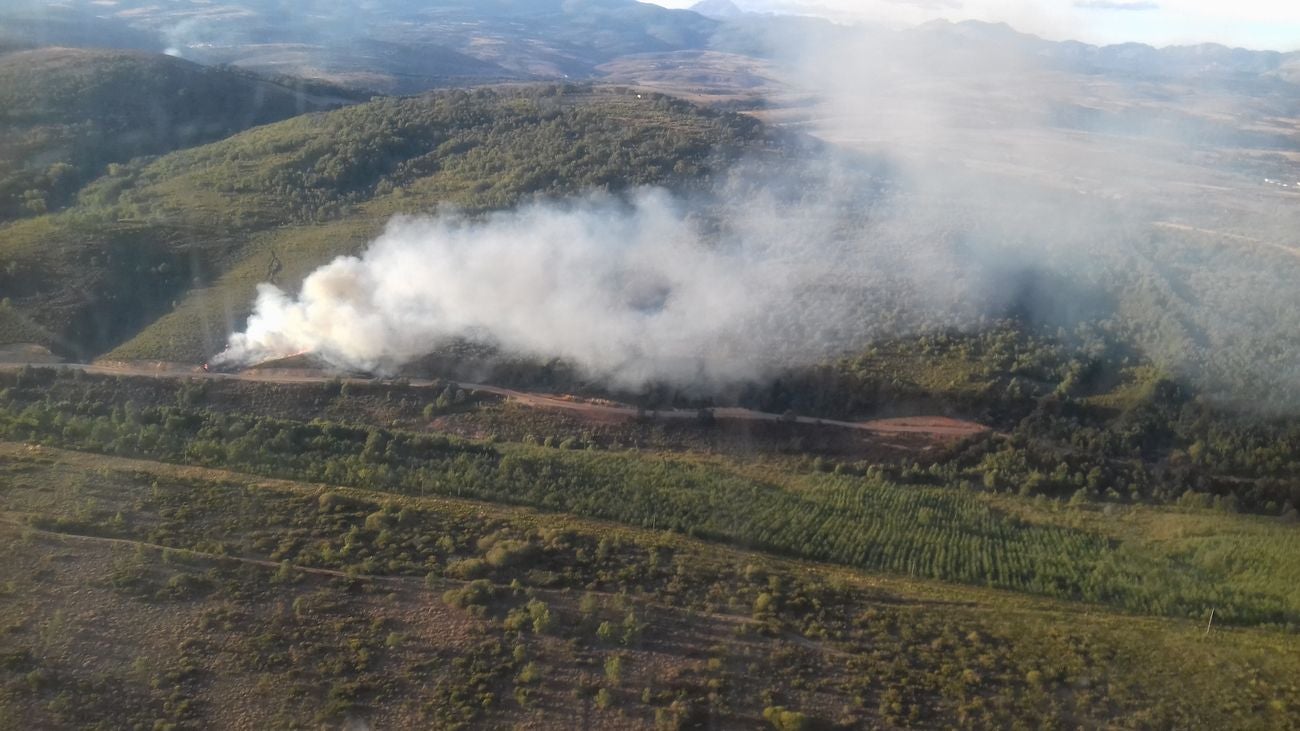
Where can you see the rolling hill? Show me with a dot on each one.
(66, 114)
(158, 259)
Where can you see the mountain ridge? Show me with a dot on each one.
(404, 48)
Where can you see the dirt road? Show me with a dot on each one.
(1223, 235)
(932, 425)
(939, 427)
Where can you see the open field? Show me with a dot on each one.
(145, 591)
(882, 515)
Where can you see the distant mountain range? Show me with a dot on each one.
(405, 46)
(1126, 58)
(719, 9)
(385, 45)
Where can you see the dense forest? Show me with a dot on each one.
(1077, 420)
(1087, 420)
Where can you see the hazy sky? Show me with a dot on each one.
(1269, 24)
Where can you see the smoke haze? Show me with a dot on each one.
(623, 288)
(629, 288)
(986, 181)
(652, 287)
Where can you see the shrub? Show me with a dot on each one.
(475, 593)
(468, 568)
(783, 719)
(605, 632)
(614, 668)
(510, 553)
(541, 615)
(185, 586)
(530, 674)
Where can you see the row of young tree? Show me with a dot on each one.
(867, 521)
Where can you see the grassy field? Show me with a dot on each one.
(1249, 553)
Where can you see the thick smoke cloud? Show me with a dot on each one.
(626, 288)
(650, 287)
(630, 289)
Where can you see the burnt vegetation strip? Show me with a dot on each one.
(905, 520)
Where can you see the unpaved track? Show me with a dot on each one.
(12, 521)
(1223, 235)
(938, 427)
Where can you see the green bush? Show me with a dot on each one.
(783, 719)
(510, 553)
(475, 593)
(467, 568)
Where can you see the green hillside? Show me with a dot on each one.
(66, 114)
(187, 236)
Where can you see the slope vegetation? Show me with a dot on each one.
(186, 238)
(68, 113)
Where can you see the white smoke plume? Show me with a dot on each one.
(650, 287)
(628, 289)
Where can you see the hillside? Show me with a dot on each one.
(66, 114)
(180, 242)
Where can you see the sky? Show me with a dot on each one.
(1259, 24)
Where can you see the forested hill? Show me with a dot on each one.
(160, 258)
(66, 114)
